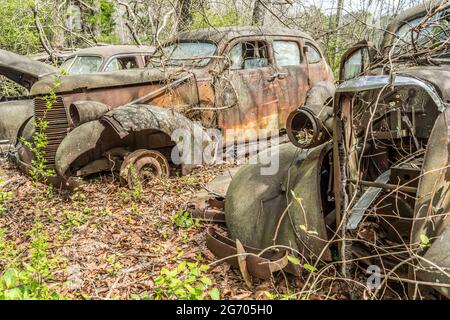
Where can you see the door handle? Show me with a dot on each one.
(277, 75)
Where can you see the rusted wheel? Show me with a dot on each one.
(142, 166)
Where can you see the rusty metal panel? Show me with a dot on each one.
(57, 125)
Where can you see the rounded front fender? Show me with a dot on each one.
(77, 142)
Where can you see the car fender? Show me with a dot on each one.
(13, 114)
(320, 93)
(115, 128)
(255, 203)
(77, 142)
(435, 265)
(433, 202)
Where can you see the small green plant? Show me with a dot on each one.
(424, 241)
(136, 192)
(189, 180)
(114, 264)
(4, 196)
(28, 280)
(183, 219)
(280, 296)
(294, 260)
(77, 216)
(144, 296)
(185, 282)
(39, 140)
(8, 251)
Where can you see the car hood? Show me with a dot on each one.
(23, 70)
(439, 76)
(434, 79)
(65, 84)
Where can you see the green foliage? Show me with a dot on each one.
(280, 296)
(309, 267)
(135, 296)
(306, 266)
(183, 219)
(4, 196)
(114, 264)
(9, 88)
(135, 194)
(8, 251)
(310, 232)
(77, 215)
(293, 260)
(77, 218)
(185, 282)
(210, 18)
(424, 241)
(103, 20)
(17, 28)
(106, 16)
(29, 280)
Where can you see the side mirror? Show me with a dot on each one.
(357, 60)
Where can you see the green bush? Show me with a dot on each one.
(28, 280)
(17, 27)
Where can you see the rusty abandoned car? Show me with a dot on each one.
(231, 78)
(25, 72)
(366, 178)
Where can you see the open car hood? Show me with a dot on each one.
(23, 70)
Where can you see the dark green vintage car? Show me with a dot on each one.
(367, 177)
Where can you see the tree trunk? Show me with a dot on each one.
(340, 6)
(259, 12)
(59, 40)
(184, 14)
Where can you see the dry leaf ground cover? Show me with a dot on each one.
(105, 241)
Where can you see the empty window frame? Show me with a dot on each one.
(312, 54)
(249, 55)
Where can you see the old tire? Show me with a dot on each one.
(142, 166)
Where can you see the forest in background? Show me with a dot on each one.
(33, 26)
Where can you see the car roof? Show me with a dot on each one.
(112, 50)
(219, 35)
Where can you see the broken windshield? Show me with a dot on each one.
(197, 54)
(424, 30)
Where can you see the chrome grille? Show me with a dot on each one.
(57, 125)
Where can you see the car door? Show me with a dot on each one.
(246, 90)
(291, 77)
